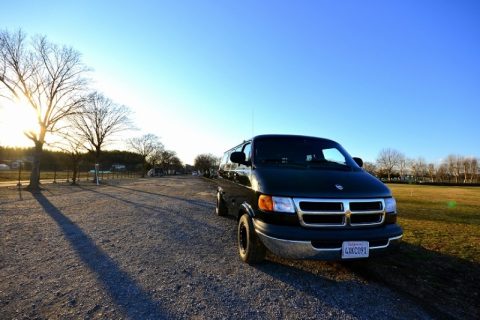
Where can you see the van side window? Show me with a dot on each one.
(230, 165)
(224, 160)
(247, 150)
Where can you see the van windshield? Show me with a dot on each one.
(301, 151)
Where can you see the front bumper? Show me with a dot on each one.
(300, 243)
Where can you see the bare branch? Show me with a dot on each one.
(49, 77)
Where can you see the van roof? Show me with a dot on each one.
(261, 136)
(288, 136)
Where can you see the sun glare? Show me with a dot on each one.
(16, 118)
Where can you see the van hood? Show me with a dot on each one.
(317, 183)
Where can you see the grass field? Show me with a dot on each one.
(442, 219)
(438, 262)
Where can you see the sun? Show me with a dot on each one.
(16, 118)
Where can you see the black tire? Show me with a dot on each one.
(221, 208)
(250, 248)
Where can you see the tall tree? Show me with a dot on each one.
(473, 169)
(50, 78)
(418, 168)
(145, 146)
(402, 165)
(431, 171)
(206, 162)
(165, 158)
(73, 144)
(388, 159)
(98, 120)
(370, 167)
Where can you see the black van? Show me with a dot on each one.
(304, 198)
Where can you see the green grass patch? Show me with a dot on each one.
(442, 219)
(438, 262)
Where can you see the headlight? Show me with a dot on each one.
(278, 204)
(390, 205)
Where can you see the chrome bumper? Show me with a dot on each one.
(304, 250)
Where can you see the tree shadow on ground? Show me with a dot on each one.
(153, 208)
(196, 202)
(124, 291)
(449, 287)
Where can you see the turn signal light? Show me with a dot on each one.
(265, 203)
(277, 204)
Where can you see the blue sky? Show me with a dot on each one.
(204, 75)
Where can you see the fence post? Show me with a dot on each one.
(19, 184)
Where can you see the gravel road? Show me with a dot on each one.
(154, 249)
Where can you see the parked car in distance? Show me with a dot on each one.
(4, 167)
(155, 172)
(304, 198)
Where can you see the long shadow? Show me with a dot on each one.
(447, 286)
(199, 203)
(133, 203)
(152, 208)
(125, 292)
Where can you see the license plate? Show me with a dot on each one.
(355, 249)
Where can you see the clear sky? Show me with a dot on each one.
(205, 75)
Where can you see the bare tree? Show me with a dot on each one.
(466, 168)
(50, 78)
(173, 163)
(431, 171)
(370, 168)
(166, 159)
(418, 168)
(402, 166)
(146, 146)
(155, 158)
(74, 145)
(452, 168)
(442, 172)
(387, 160)
(473, 169)
(206, 162)
(99, 120)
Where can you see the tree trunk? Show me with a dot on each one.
(144, 168)
(75, 170)
(35, 174)
(97, 160)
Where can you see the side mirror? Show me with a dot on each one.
(358, 161)
(237, 157)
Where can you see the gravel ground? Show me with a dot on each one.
(154, 249)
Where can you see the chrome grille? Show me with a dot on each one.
(340, 212)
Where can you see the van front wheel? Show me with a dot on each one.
(250, 248)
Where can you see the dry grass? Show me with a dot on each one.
(441, 219)
(438, 262)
